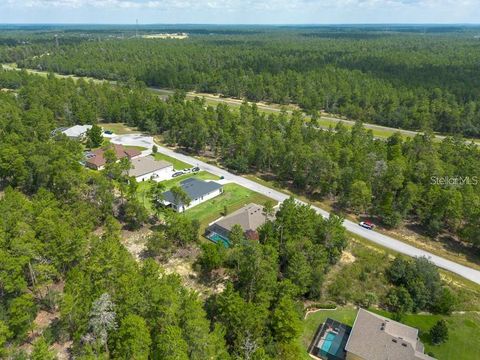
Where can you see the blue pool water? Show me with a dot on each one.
(328, 341)
(218, 238)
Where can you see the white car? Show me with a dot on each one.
(367, 225)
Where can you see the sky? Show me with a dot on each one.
(240, 11)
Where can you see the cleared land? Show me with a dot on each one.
(119, 128)
(464, 330)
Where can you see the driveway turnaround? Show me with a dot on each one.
(380, 239)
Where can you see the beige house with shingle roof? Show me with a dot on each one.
(249, 218)
(146, 168)
(374, 337)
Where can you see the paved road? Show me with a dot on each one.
(383, 240)
(237, 102)
(273, 108)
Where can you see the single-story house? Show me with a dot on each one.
(146, 168)
(372, 337)
(249, 217)
(77, 132)
(96, 160)
(197, 190)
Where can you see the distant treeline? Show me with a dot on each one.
(405, 80)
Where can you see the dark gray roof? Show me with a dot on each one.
(194, 188)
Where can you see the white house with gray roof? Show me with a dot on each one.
(198, 192)
(146, 168)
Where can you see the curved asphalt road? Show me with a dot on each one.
(383, 240)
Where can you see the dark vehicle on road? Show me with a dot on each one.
(196, 169)
(178, 173)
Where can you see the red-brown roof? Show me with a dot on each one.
(120, 151)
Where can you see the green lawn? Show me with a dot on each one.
(144, 186)
(464, 330)
(118, 128)
(177, 164)
(311, 323)
(233, 197)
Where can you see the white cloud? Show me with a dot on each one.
(249, 11)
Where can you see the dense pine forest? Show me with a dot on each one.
(410, 80)
(60, 230)
(62, 226)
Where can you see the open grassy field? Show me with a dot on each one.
(119, 128)
(177, 164)
(464, 330)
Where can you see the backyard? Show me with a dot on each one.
(464, 330)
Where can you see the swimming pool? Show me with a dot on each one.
(327, 343)
(218, 238)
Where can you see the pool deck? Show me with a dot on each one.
(330, 340)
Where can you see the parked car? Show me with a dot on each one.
(196, 169)
(367, 225)
(186, 170)
(178, 173)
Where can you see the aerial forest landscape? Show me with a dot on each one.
(218, 183)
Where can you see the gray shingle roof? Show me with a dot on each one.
(375, 337)
(194, 188)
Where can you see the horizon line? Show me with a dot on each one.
(247, 24)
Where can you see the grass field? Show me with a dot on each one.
(177, 164)
(119, 128)
(464, 330)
